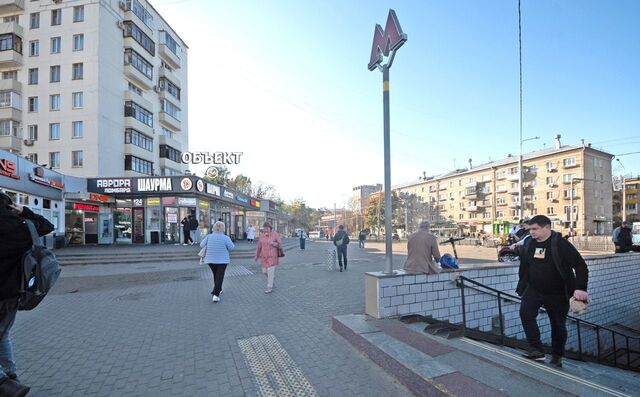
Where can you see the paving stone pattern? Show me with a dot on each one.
(162, 336)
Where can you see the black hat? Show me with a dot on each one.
(5, 198)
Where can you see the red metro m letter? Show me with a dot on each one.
(387, 40)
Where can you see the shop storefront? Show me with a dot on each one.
(34, 186)
(150, 210)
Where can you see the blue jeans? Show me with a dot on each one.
(8, 309)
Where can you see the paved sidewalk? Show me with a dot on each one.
(156, 333)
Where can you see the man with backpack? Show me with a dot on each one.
(193, 229)
(341, 240)
(622, 238)
(15, 241)
(551, 272)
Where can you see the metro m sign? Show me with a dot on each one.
(386, 41)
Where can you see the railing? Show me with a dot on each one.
(582, 355)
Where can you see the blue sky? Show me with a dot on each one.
(286, 82)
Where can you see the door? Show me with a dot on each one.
(171, 225)
(138, 225)
(105, 228)
(91, 228)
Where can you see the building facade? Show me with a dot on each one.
(569, 184)
(93, 88)
(629, 188)
(360, 196)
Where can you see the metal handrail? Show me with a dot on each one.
(500, 295)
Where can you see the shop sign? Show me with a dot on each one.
(98, 197)
(168, 201)
(254, 203)
(200, 185)
(86, 207)
(186, 184)
(113, 185)
(137, 202)
(155, 185)
(9, 168)
(153, 201)
(187, 201)
(39, 178)
(228, 194)
(242, 199)
(172, 218)
(213, 189)
(204, 203)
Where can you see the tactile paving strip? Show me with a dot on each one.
(275, 373)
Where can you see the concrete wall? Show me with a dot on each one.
(613, 286)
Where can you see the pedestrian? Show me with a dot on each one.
(361, 238)
(193, 229)
(341, 240)
(423, 253)
(551, 272)
(267, 250)
(217, 257)
(15, 241)
(251, 233)
(302, 241)
(622, 238)
(186, 230)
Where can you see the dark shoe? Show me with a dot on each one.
(534, 355)
(12, 376)
(11, 388)
(556, 361)
(340, 268)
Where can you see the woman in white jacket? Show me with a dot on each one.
(217, 257)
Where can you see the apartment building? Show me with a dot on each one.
(361, 195)
(565, 183)
(93, 88)
(629, 188)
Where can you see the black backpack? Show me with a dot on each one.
(39, 272)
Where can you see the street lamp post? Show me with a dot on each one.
(385, 44)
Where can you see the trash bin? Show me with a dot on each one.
(332, 258)
(302, 243)
(155, 237)
(58, 241)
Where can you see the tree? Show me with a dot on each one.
(217, 174)
(410, 211)
(241, 184)
(375, 211)
(302, 216)
(266, 192)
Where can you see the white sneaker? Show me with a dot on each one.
(215, 299)
(268, 291)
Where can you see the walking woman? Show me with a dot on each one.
(267, 251)
(218, 246)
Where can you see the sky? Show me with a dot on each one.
(286, 83)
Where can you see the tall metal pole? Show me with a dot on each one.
(379, 204)
(335, 220)
(387, 174)
(520, 204)
(624, 198)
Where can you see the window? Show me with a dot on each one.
(77, 129)
(9, 128)
(54, 102)
(78, 42)
(164, 65)
(33, 157)
(141, 12)
(550, 166)
(139, 139)
(472, 179)
(56, 45)
(33, 76)
(54, 159)
(78, 71)
(54, 131)
(550, 196)
(569, 192)
(500, 200)
(137, 61)
(566, 178)
(171, 134)
(56, 17)
(501, 188)
(10, 75)
(549, 181)
(513, 171)
(55, 74)
(461, 216)
(78, 14)
(34, 48)
(132, 109)
(133, 31)
(10, 99)
(569, 162)
(174, 90)
(500, 174)
(174, 111)
(499, 214)
(78, 100)
(10, 41)
(77, 158)
(33, 104)
(135, 88)
(33, 132)
(34, 20)
(169, 41)
(133, 163)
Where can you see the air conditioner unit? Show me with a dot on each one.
(120, 25)
(122, 5)
(28, 142)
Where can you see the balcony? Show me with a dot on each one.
(132, 96)
(168, 163)
(514, 190)
(137, 151)
(10, 143)
(513, 177)
(11, 6)
(12, 27)
(501, 204)
(500, 177)
(472, 184)
(473, 196)
(10, 113)
(10, 59)
(132, 122)
(568, 198)
(168, 56)
(165, 140)
(171, 75)
(514, 206)
(11, 85)
(570, 165)
(171, 122)
(138, 77)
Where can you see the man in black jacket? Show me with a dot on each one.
(15, 240)
(340, 240)
(551, 272)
